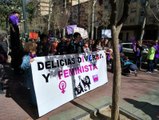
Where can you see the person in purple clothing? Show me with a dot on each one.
(15, 44)
(137, 48)
(156, 59)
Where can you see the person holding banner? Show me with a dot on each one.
(43, 46)
(15, 43)
(30, 49)
(86, 48)
(76, 45)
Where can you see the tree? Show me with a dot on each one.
(31, 9)
(9, 6)
(119, 14)
(93, 17)
(151, 8)
(144, 22)
(60, 15)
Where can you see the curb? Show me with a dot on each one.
(94, 112)
(108, 105)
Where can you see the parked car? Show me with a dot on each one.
(127, 49)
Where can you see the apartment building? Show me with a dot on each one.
(134, 23)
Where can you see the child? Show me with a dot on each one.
(30, 50)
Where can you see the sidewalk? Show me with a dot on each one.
(139, 96)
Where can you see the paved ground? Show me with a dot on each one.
(139, 96)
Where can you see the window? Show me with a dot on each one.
(133, 0)
(143, 2)
(133, 10)
(142, 12)
(127, 46)
(132, 20)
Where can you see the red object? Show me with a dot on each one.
(33, 35)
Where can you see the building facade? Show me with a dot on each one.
(137, 13)
(81, 15)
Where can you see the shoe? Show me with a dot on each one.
(148, 72)
(135, 73)
(155, 70)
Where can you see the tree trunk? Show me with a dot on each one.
(93, 15)
(117, 74)
(116, 28)
(144, 23)
(49, 19)
(143, 30)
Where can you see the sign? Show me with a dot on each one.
(33, 35)
(82, 31)
(106, 33)
(76, 2)
(61, 78)
(70, 29)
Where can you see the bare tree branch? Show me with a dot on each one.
(113, 12)
(153, 13)
(125, 12)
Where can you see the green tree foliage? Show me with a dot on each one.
(31, 9)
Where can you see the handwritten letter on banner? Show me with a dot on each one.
(61, 78)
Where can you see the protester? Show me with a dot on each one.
(15, 44)
(43, 46)
(150, 58)
(86, 48)
(62, 47)
(156, 59)
(53, 47)
(127, 65)
(99, 45)
(109, 55)
(91, 44)
(3, 48)
(76, 44)
(138, 54)
(30, 54)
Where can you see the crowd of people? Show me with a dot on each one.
(23, 52)
(152, 56)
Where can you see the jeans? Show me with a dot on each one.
(138, 61)
(150, 66)
(156, 61)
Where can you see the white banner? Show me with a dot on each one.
(61, 78)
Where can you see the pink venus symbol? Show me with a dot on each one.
(62, 86)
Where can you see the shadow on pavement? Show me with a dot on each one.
(19, 93)
(93, 116)
(147, 108)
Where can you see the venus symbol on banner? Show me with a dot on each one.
(62, 86)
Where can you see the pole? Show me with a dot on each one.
(24, 16)
(65, 6)
(78, 12)
(49, 19)
(93, 15)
